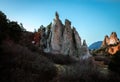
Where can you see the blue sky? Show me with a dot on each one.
(93, 19)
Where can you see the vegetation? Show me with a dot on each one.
(10, 29)
(114, 64)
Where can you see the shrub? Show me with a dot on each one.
(83, 71)
(19, 64)
(114, 64)
(59, 58)
(9, 29)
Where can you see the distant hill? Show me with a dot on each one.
(95, 45)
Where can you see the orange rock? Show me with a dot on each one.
(37, 38)
(113, 49)
(113, 39)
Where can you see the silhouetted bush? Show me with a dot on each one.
(9, 29)
(3, 25)
(14, 31)
(113, 77)
(114, 64)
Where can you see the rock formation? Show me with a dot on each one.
(56, 35)
(113, 39)
(113, 49)
(67, 43)
(111, 43)
(64, 39)
(84, 51)
(105, 41)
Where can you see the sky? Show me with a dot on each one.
(93, 19)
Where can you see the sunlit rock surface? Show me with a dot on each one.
(111, 43)
(113, 39)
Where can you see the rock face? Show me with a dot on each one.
(67, 43)
(56, 35)
(105, 41)
(113, 39)
(113, 49)
(84, 51)
(62, 39)
(111, 43)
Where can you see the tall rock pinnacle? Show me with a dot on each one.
(68, 45)
(57, 15)
(105, 41)
(85, 51)
(56, 31)
(65, 40)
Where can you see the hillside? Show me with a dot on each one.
(95, 45)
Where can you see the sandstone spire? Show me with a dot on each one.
(84, 43)
(65, 40)
(85, 54)
(113, 39)
(105, 41)
(67, 23)
(57, 15)
(68, 45)
(56, 34)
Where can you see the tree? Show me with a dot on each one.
(15, 30)
(22, 27)
(9, 29)
(3, 25)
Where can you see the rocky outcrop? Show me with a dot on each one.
(111, 44)
(56, 35)
(67, 43)
(105, 41)
(63, 39)
(84, 51)
(113, 39)
(113, 49)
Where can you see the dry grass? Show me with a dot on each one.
(19, 64)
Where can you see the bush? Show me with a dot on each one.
(15, 31)
(83, 71)
(19, 64)
(114, 64)
(59, 58)
(9, 29)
